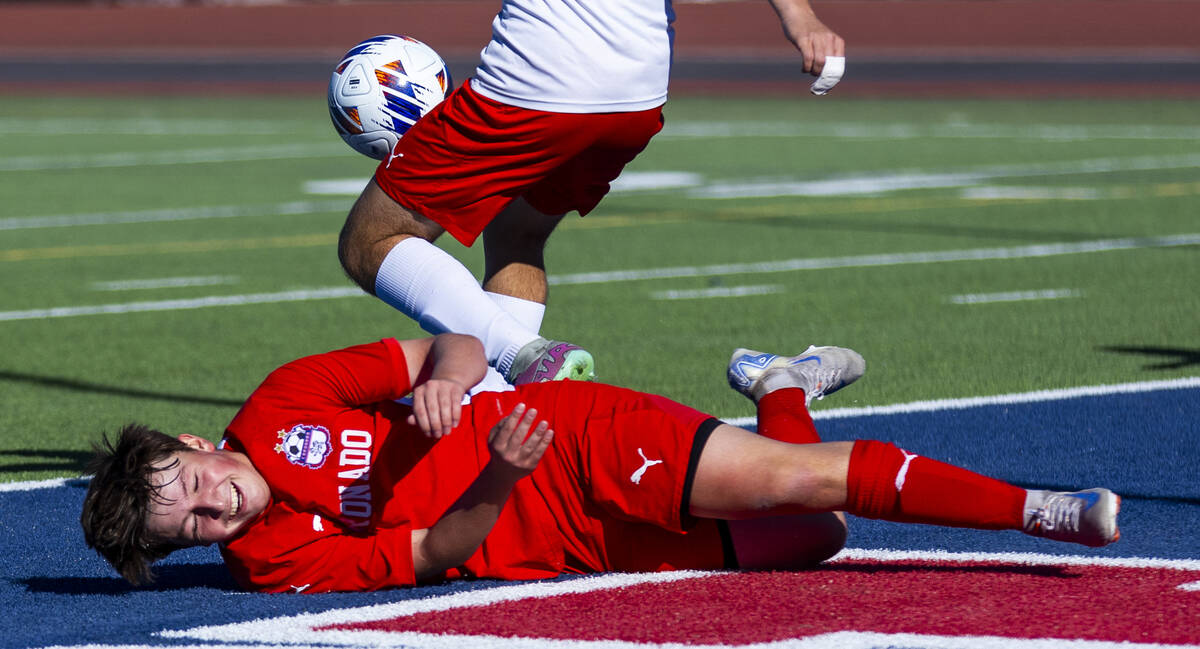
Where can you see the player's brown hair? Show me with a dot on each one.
(119, 497)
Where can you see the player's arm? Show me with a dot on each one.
(516, 446)
(441, 370)
(814, 40)
(379, 371)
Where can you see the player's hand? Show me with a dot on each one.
(437, 406)
(517, 445)
(815, 41)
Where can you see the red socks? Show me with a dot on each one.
(892, 484)
(889, 483)
(783, 416)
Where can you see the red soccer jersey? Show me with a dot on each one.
(350, 479)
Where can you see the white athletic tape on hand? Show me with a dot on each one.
(831, 74)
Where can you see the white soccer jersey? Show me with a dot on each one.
(578, 56)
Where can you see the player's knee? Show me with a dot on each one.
(787, 542)
(519, 229)
(827, 537)
(782, 485)
(355, 256)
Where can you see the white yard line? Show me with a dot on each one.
(787, 265)
(163, 282)
(1025, 193)
(885, 181)
(292, 208)
(1015, 296)
(74, 126)
(887, 259)
(899, 131)
(335, 186)
(300, 295)
(717, 292)
(629, 181)
(632, 181)
(681, 129)
(180, 157)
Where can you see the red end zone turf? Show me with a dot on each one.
(926, 598)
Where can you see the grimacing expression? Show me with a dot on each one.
(205, 495)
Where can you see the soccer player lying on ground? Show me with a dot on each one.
(324, 482)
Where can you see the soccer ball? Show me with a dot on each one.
(381, 88)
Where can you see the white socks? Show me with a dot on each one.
(527, 312)
(428, 285)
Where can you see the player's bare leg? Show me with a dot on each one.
(781, 388)
(515, 277)
(514, 246)
(388, 250)
(787, 542)
(374, 226)
(741, 475)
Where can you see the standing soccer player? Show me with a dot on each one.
(566, 94)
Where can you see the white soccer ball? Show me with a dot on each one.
(381, 88)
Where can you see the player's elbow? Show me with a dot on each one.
(432, 556)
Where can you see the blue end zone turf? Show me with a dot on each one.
(1144, 446)
(57, 592)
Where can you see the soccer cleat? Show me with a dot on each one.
(551, 360)
(818, 371)
(1088, 517)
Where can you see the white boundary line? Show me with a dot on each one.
(33, 485)
(283, 629)
(965, 403)
(839, 640)
(1022, 397)
(287, 630)
(1022, 558)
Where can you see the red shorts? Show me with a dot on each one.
(466, 160)
(616, 480)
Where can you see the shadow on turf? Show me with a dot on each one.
(1172, 358)
(216, 576)
(87, 386)
(44, 460)
(169, 578)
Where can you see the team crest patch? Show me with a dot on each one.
(305, 445)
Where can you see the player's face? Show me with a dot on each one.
(205, 496)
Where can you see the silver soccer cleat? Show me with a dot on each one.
(1087, 517)
(818, 371)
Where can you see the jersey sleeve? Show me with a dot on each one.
(292, 558)
(354, 376)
